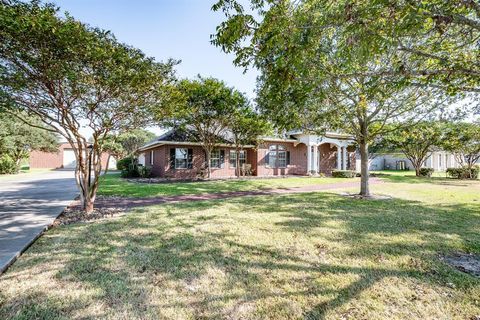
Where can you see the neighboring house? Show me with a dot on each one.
(438, 160)
(179, 155)
(63, 158)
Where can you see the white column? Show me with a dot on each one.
(309, 158)
(344, 163)
(339, 158)
(315, 159)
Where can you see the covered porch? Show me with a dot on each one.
(329, 152)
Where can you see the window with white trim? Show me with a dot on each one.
(151, 157)
(277, 156)
(215, 159)
(181, 158)
(233, 158)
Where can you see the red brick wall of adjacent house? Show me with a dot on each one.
(298, 160)
(54, 160)
(161, 163)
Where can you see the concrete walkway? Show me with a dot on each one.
(29, 203)
(125, 203)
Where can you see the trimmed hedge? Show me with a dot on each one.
(464, 172)
(426, 172)
(343, 174)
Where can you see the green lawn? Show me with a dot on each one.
(302, 256)
(113, 185)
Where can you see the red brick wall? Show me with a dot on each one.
(161, 163)
(40, 159)
(297, 166)
(328, 158)
(352, 155)
(298, 160)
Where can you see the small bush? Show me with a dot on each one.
(343, 173)
(136, 171)
(144, 172)
(464, 172)
(7, 165)
(123, 164)
(426, 172)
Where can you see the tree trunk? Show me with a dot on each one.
(106, 167)
(237, 163)
(208, 164)
(364, 183)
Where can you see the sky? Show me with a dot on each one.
(163, 29)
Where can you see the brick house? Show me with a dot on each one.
(64, 158)
(179, 155)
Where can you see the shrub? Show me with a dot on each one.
(136, 171)
(123, 164)
(7, 165)
(426, 172)
(464, 172)
(343, 173)
(144, 172)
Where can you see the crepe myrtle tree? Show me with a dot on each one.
(126, 144)
(417, 141)
(310, 79)
(78, 80)
(205, 105)
(463, 140)
(246, 127)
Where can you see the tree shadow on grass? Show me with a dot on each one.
(198, 252)
(436, 180)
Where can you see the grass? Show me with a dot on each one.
(302, 256)
(113, 185)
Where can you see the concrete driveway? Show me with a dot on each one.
(29, 203)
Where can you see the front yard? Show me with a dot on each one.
(113, 185)
(302, 256)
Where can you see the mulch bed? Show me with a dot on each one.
(468, 263)
(74, 214)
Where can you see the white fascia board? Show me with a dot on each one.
(161, 143)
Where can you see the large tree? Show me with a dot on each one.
(463, 140)
(18, 139)
(417, 142)
(79, 81)
(310, 78)
(204, 105)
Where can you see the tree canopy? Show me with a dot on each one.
(18, 139)
(204, 105)
(73, 76)
(314, 75)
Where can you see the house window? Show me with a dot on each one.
(151, 157)
(277, 156)
(233, 158)
(439, 160)
(215, 159)
(181, 158)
